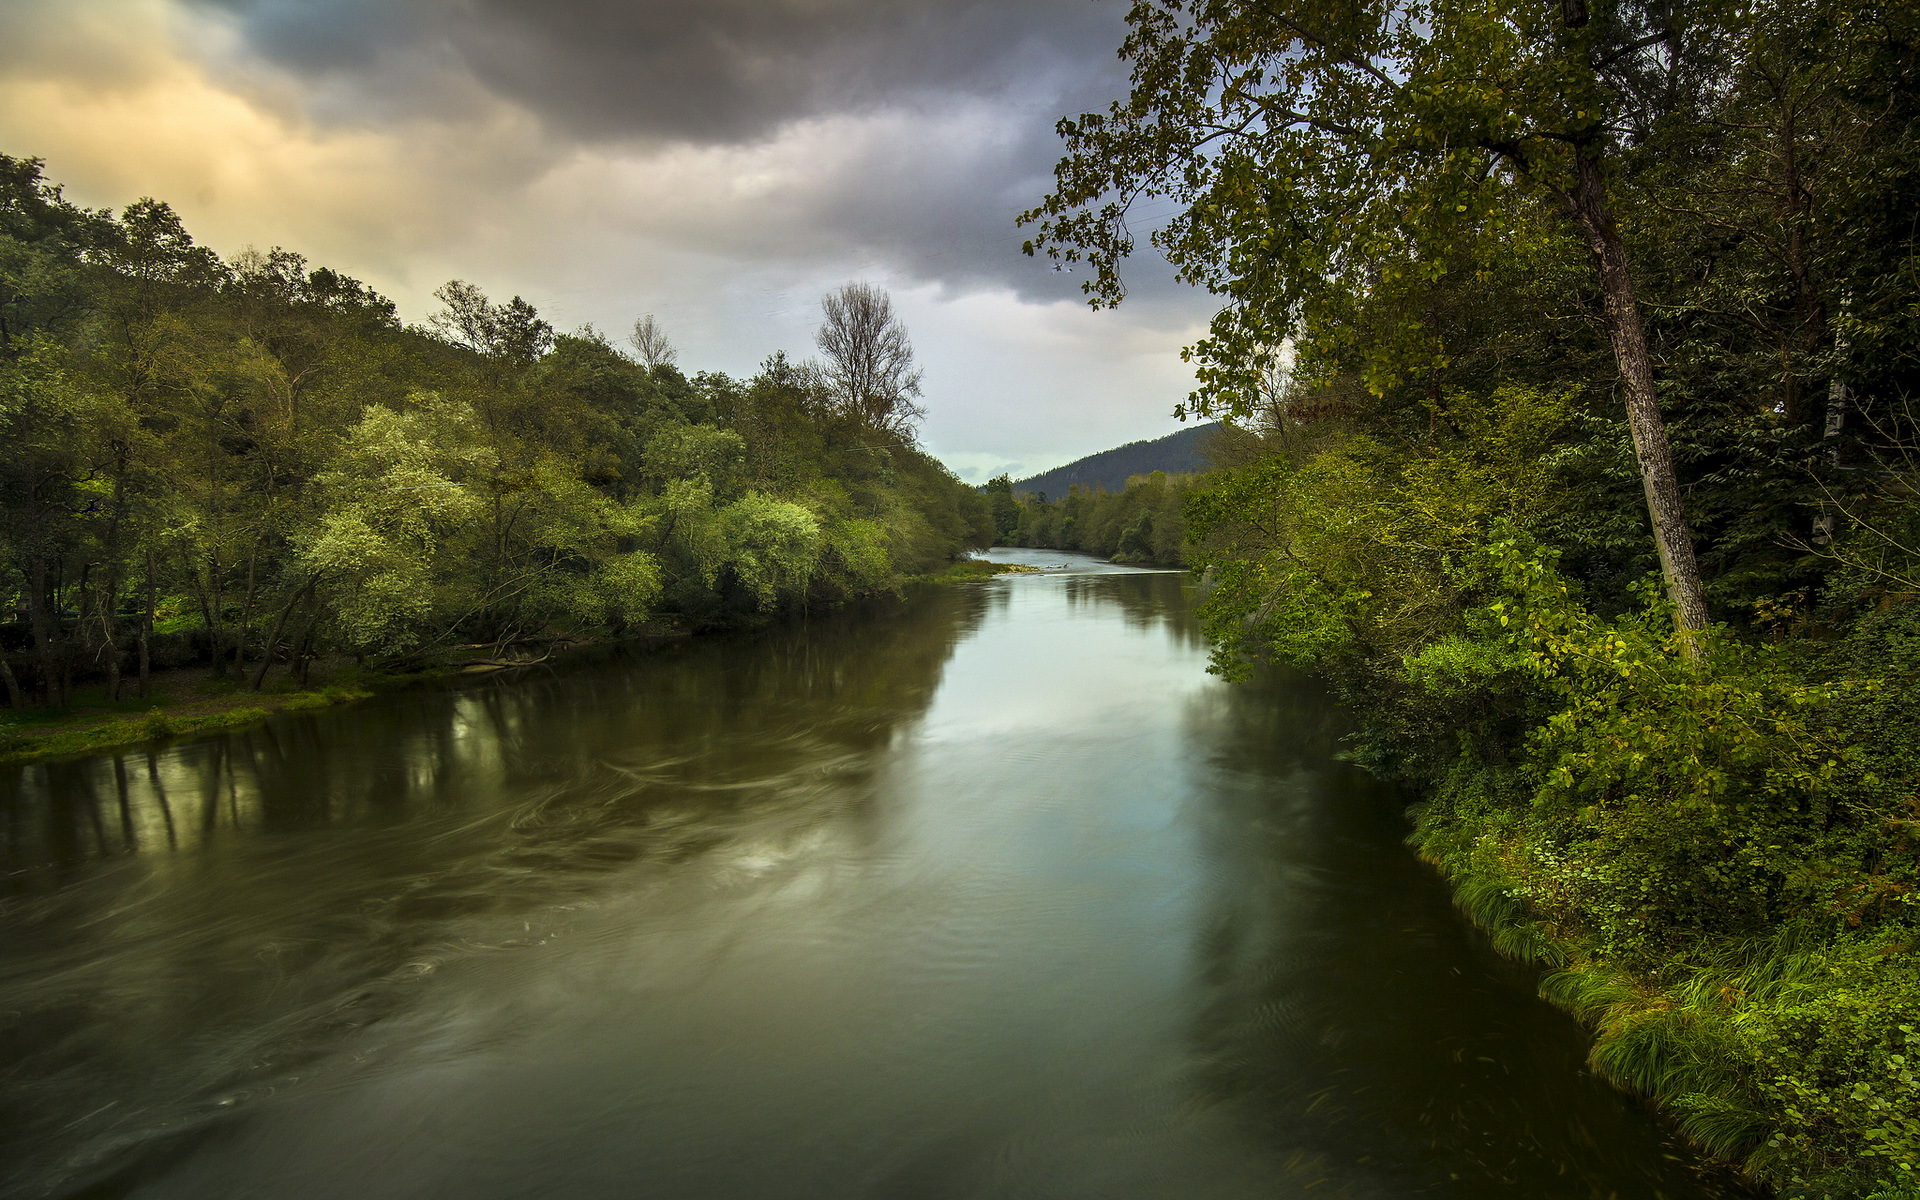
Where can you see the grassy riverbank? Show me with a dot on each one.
(974, 569)
(1710, 850)
(179, 703)
(194, 701)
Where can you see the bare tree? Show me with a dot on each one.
(869, 358)
(649, 341)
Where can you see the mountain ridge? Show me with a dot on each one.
(1181, 451)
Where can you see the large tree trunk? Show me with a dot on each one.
(1671, 533)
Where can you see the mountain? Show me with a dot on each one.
(1175, 453)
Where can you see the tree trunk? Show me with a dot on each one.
(41, 617)
(1671, 533)
(109, 606)
(209, 611)
(273, 639)
(15, 697)
(146, 625)
(113, 668)
(245, 632)
(1824, 524)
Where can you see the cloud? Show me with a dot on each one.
(966, 90)
(680, 70)
(719, 162)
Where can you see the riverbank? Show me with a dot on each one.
(178, 703)
(971, 570)
(1710, 857)
(191, 701)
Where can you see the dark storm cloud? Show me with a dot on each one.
(937, 203)
(691, 70)
(740, 72)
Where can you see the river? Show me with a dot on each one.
(991, 892)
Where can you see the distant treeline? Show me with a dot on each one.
(253, 462)
(1142, 524)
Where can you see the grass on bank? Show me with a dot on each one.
(178, 703)
(972, 569)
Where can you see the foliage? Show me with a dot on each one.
(1142, 525)
(253, 465)
(1710, 840)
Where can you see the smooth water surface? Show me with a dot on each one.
(993, 892)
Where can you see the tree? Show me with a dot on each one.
(1324, 149)
(869, 358)
(253, 463)
(650, 342)
(512, 332)
(1004, 508)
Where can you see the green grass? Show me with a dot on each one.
(94, 725)
(972, 569)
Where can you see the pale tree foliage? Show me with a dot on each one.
(775, 545)
(859, 549)
(692, 526)
(869, 357)
(649, 341)
(623, 591)
(397, 539)
(392, 500)
(694, 463)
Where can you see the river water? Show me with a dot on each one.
(993, 892)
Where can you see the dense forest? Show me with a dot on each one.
(1142, 524)
(253, 465)
(1577, 352)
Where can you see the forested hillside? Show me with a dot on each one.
(253, 465)
(1179, 453)
(1595, 485)
(1141, 524)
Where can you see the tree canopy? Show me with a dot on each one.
(253, 464)
(1522, 254)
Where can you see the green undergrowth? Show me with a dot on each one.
(1714, 857)
(61, 734)
(1713, 861)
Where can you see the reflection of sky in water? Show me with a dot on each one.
(993, 893)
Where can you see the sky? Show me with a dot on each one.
(721, 164)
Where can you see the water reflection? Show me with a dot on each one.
(157, 903)
(991, 893)
(1349, 1007)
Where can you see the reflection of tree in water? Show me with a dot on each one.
(1147, 600)
(188, 924)
(1350, 1014)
